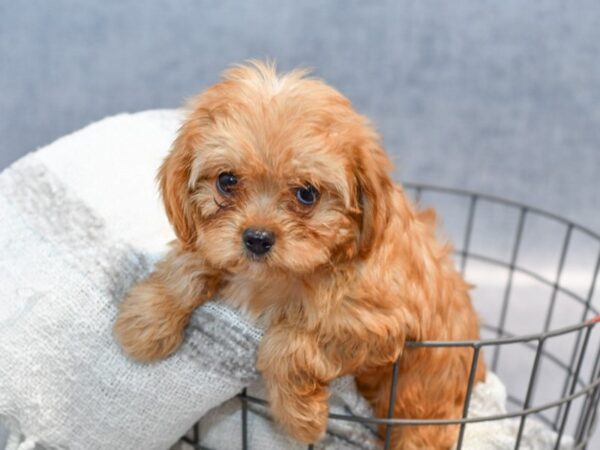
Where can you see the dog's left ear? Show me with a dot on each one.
(374, 193)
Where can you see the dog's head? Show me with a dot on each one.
(276, 173)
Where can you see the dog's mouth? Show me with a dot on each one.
(253, 257)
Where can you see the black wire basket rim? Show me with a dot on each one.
(478, 343)
(497, 199)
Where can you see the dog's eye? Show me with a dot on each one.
(225, 183)
(307, 195)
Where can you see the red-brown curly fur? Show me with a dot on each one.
(348, 280)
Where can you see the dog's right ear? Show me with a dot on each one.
(173, 177)
(176, 171)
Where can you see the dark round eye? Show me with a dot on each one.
(307, 195)
(225, 183)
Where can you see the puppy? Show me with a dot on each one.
(281, 198)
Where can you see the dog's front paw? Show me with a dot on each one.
(303, 417)
(309, 429)
(149, 326)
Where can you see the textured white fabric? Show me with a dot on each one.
(489, 399)
(80, 221)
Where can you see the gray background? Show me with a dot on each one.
(500, 97)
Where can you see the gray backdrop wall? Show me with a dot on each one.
(502, 97)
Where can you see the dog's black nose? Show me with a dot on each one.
(258, 242)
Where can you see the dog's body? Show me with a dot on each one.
(282, 202)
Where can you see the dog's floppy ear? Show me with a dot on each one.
(174, 176)
(375, 194)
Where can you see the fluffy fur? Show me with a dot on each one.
(348, 280)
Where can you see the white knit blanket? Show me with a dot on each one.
(80, 221)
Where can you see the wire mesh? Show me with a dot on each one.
(573, 409)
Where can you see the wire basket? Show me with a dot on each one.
(537, 272)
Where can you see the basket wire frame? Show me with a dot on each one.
(575, 386)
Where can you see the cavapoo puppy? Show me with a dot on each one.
(281, 198)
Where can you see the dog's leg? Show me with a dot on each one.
(153, 316)
(296, 376)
